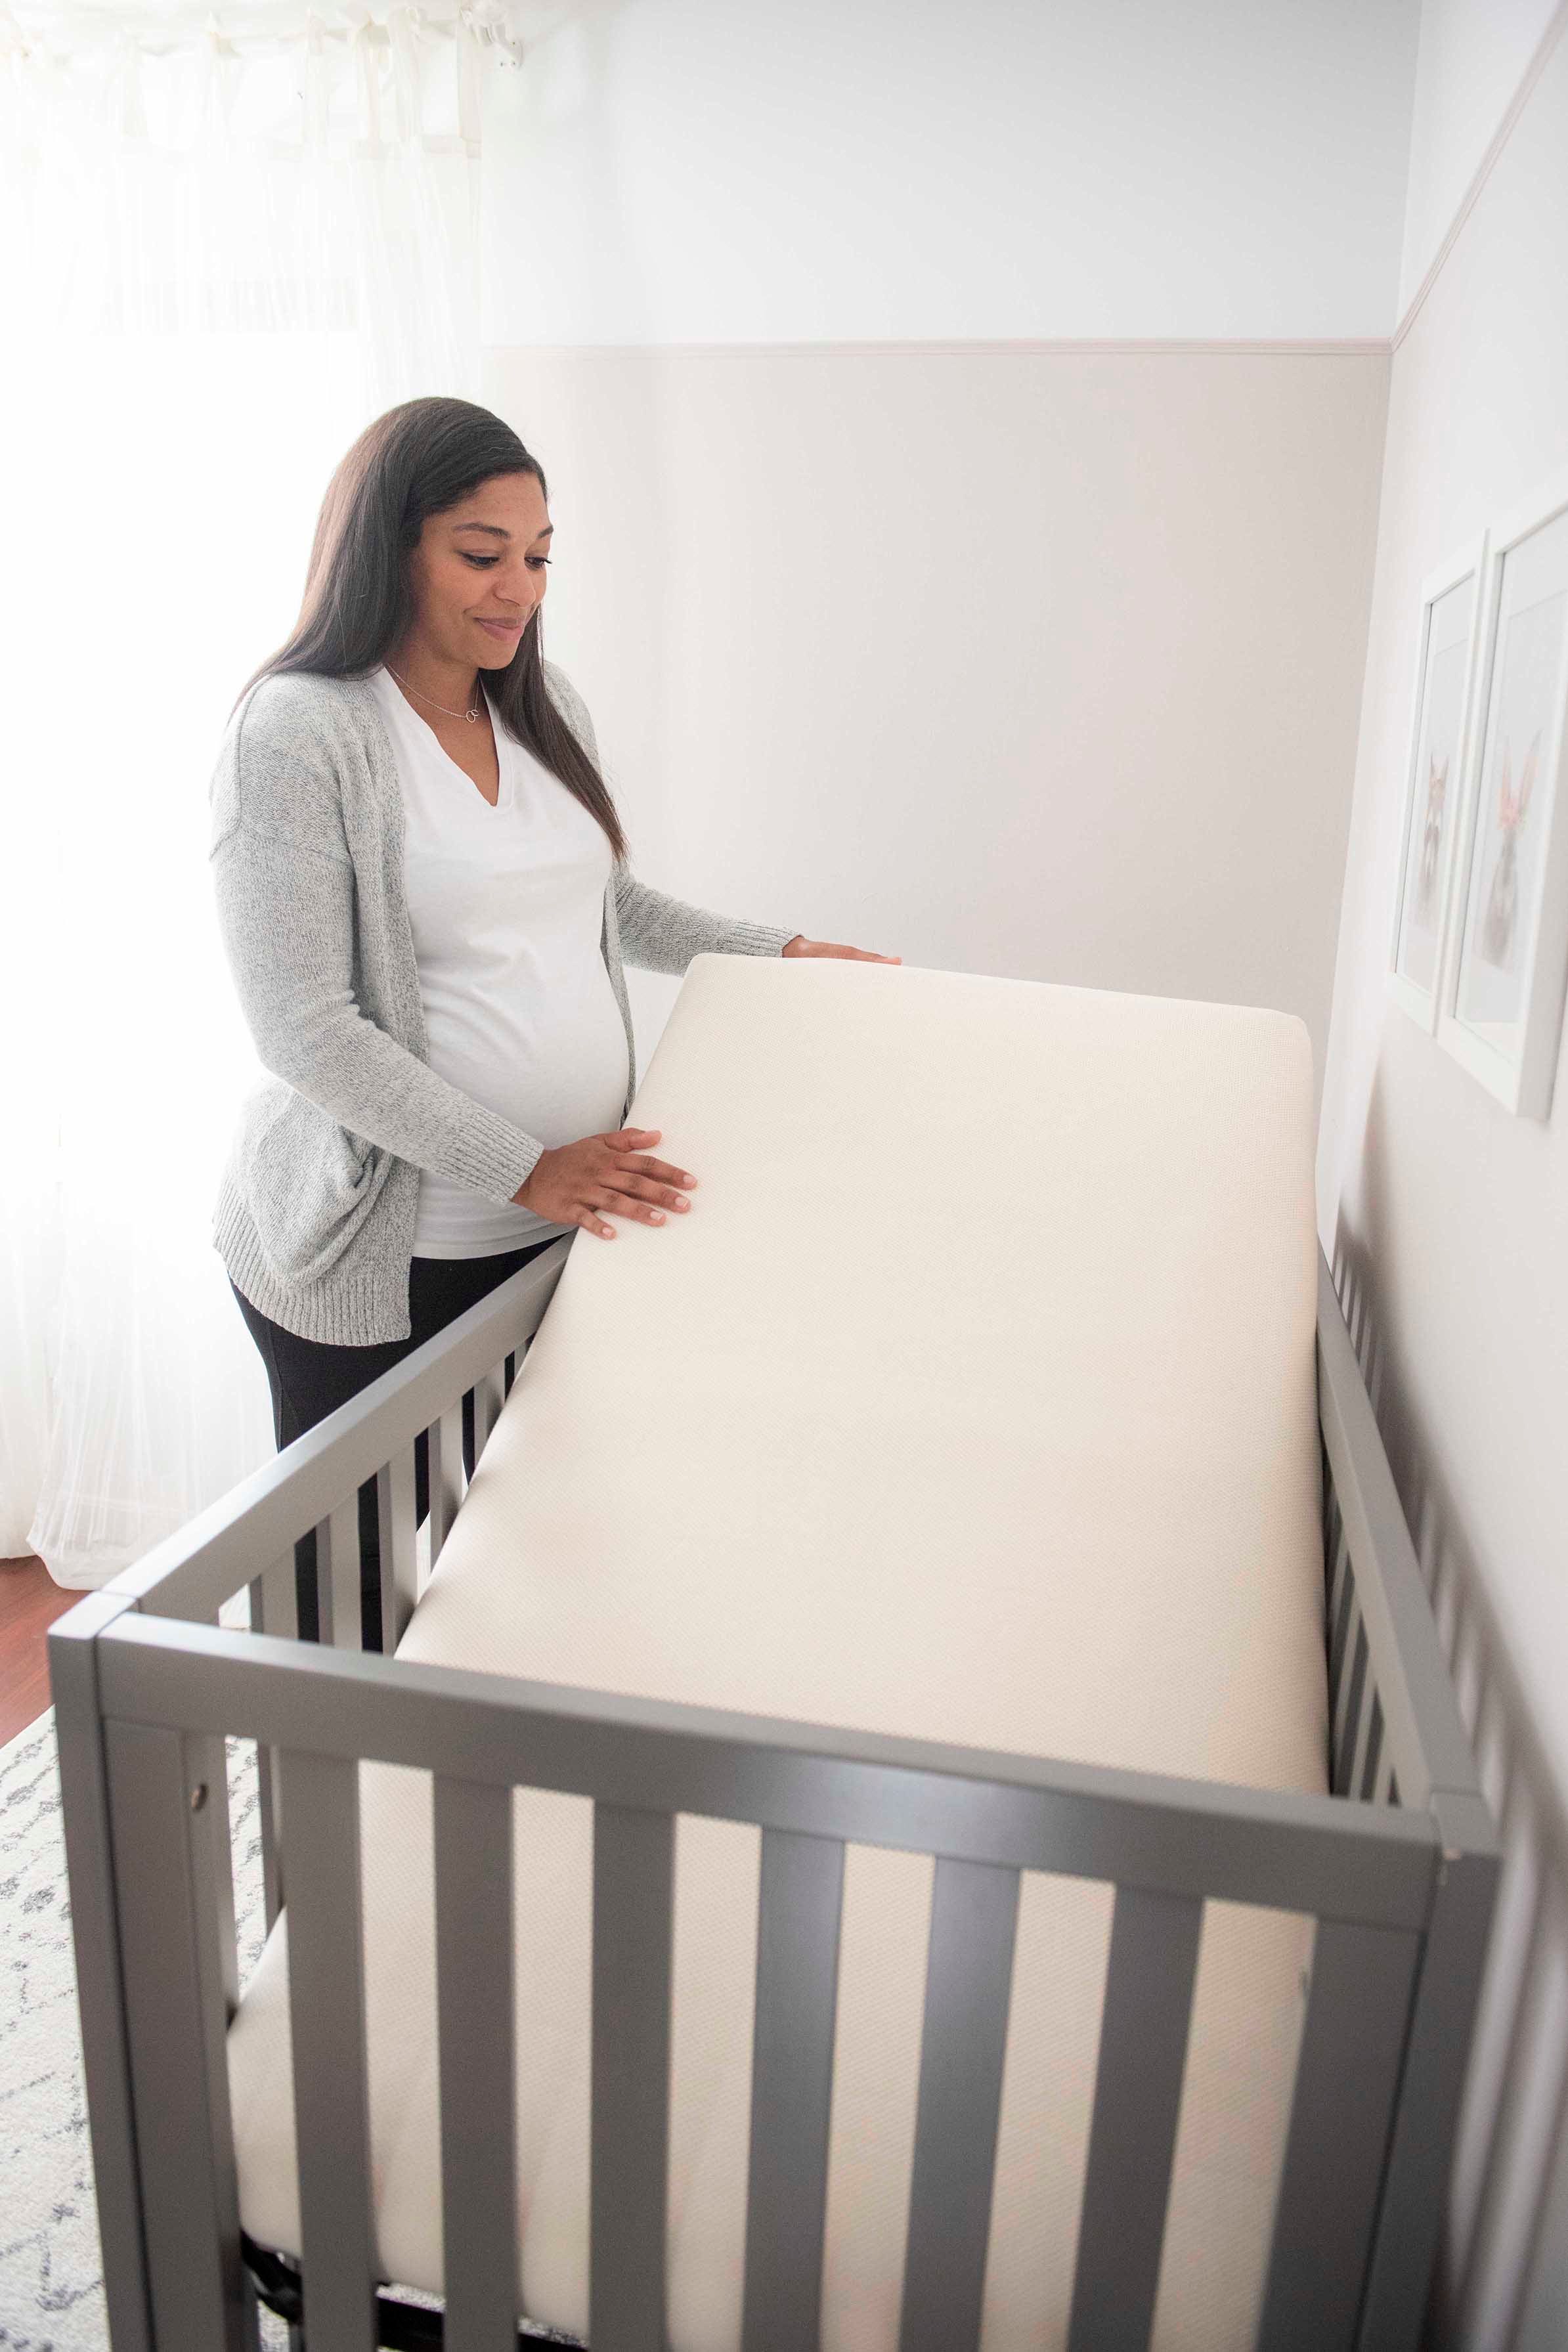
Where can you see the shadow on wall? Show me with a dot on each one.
(1502, 2281)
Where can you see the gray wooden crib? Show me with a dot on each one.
(1397, 1866)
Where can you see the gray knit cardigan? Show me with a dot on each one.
(315, 1214)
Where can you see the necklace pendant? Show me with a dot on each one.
(473, 716)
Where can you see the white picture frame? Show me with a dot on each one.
(1442, 706)
(1505, 967)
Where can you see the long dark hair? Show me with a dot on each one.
(421, 458)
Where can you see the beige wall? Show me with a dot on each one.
(1039, 663)
(1449, 1219)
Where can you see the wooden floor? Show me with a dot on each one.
(30, 1600)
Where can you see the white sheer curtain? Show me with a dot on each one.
(228, 238)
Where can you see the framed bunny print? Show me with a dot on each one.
(1501, 1000)
(1448, 638)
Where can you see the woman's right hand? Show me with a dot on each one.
(571, 1184)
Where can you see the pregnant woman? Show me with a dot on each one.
(423, 895)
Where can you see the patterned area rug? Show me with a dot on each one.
(51, 2278)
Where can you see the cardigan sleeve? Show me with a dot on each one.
(659, 933)
(662, 934)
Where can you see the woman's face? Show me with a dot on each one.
(481, 562)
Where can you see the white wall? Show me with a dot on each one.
(1472, 57)
(699, 171)
(1450, 1218)
(1464, 1207)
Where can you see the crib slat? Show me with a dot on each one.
(446, 1443)
(1360, 1737)
(633, 1865)
(452, 1449)
(1346, 2080)
(1137, 2100)
(1333, 1514)
(337, 1576)
(477, 2081)
(275, 1601)
(488, 1398)
(1352, 1703)
(1341, 1657)
(271, 1843)
(326, 2017)
(792, 2080)
(207, 1756)
(1339, 1556)
(1368, 1751)
(1346, 1617)
(395, 1505)
(274, 1610)
(969, 1969)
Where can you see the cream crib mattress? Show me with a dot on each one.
(973, 1399)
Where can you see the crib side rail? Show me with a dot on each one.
(1293, 1850)
(1397, 1731)
(167, 1690)
(1397, 1742)
(314, 1483)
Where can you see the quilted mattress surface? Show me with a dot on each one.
(973, 1399)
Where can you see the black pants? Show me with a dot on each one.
(309, 1379)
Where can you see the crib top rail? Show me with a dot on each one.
(1295, 1851)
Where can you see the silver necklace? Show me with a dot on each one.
(479, 699)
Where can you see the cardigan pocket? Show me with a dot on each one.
(309, 1183)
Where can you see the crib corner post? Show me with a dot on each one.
(1436, 2059)
(72, 1647)
(170, 1932)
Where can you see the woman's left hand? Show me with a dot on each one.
(800, 946)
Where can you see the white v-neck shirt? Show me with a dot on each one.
(506, 906)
